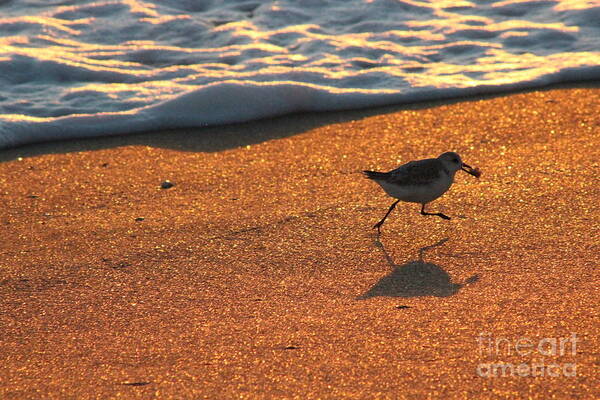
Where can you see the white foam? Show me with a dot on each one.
(116, 67)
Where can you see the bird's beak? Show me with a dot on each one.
(470, 170)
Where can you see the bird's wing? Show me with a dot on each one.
(420, 172)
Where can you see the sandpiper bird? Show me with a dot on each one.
(420, 181)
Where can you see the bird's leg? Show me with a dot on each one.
(423, 212)
(378, 225)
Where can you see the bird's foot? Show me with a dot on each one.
(443, 216)
(378, 227)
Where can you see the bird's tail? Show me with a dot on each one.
(376, 176)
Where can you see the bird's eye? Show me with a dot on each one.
(455, 160)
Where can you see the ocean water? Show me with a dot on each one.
(72, 69)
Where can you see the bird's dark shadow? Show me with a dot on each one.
(415, 278)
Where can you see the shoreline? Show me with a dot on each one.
(322, 118)
(258, 273)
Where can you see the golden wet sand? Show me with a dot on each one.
(258, 274)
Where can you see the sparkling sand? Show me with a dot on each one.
(258, 274)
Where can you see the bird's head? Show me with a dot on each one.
(453, 163)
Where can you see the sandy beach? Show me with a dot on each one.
(258, 274)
